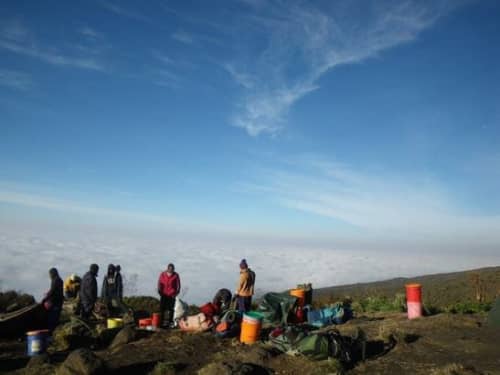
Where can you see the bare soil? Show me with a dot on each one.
(440, 344)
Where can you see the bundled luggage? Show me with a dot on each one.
(195, 323)
(317, 345)
(276, 307)
(336, 314)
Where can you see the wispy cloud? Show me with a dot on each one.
(242, 79)
(41, 201)
(376, 202)
(183, 37)
(166, 78)
(124, 12)
(162, 57)
(303, 42)
(15, 80)
(90, 33)
(16, 38)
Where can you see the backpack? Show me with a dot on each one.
(286, 339)
(252, 276)
(322, 345)
(314, 345)
(336, 314)
(229, 324)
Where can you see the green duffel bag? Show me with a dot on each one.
(315, 346)
(323, 345)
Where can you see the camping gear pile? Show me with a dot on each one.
(290, 319)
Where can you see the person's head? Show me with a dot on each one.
(94, 269)
(171, 268)
(243, 264)
(53, 273)
(118, 268)
(111, 269)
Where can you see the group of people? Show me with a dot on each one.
(84, 291)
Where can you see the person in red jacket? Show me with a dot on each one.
(169, 286)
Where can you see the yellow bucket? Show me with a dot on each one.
(115, 323)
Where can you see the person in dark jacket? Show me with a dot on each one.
(88, 291)
(54, 299)
(119, 282)
(109, 290)
(222, 300)
(169, 286)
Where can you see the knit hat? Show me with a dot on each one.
(243, 263)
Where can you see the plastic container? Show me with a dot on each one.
(143, 323)
(155, 320)
(37, 342)
(115, 323)
(414, 300)
(301, 296)
(250, 327)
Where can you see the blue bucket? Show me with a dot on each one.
(37, 342)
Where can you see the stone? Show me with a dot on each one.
(82, 362)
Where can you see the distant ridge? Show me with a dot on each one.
(438, 289)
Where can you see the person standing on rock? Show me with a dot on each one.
(109, 290)
(169, 286)
(53, 300)
(119, 283)
(88, 291)
(245, 288)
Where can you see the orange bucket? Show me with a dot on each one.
(301, 296)
(250, 327)
(414, 300)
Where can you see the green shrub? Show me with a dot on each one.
(376, 304)
(468, 308)
(143, 303)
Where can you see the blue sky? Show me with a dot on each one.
(347, 121)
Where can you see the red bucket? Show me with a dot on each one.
(155, 320)
(414, 300)
(143, 323)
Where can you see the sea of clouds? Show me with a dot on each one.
(204, 264)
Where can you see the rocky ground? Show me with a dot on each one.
(439, 344)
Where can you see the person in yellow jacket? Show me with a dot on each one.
(245, 288)
(72, 286)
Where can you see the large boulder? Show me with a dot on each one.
(11, 301)
(126, 335)
(215, 369)
(39, 365)
(82, 362)
(72, 335)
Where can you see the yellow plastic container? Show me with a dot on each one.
(115, 323)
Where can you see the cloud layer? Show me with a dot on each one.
(27, 252)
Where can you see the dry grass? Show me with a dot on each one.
(454, 369)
